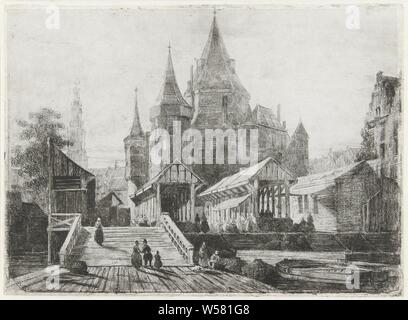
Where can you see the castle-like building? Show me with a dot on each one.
(76, 132)
(214, 99)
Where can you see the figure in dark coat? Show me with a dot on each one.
(203, 256)
(197, 222)
(136, 258)
(157, 261)
(98, 232)
(204, 224)
(147, 253)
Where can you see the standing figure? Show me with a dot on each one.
(197, 222)
(215, 258)
(157, 261)
(203, 256)
(98, 232)
(204, 224)
(136, 258)
(147, 253)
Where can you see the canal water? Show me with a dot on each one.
(272, 257)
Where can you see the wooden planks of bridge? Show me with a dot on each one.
(124, 279)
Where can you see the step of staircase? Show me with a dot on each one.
(118, 246)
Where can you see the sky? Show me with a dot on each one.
(303, 58)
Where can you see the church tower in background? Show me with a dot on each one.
(76, 132)
(297, 153)
(136, 153)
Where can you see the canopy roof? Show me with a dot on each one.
(176, 172)
(268, 169)
(231, 203)
(321, 181)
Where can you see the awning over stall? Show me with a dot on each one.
(319, 182)
(239, 183)
(231, 203)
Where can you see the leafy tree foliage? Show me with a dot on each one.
(31, 156)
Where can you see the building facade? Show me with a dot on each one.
(215, 100)
(384, 122)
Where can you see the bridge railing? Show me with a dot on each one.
(71, 239)
(184, 247)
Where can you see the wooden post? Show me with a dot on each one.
(268, 196)
(255, 198)
(273, 201)
(50, 174)
(192, 200)
(158, 202)
(287, 201)
(279, 201)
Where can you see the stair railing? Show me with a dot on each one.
(184, 247)
(70, 240)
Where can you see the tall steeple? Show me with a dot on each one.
(297, 154)
(170, 91)
(76, 131)
(170, 105)
(219, 97)
(135, 153)
(136, 129)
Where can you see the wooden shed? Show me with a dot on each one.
(172, 190)
(262, 189)
(72, 187)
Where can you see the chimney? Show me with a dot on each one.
(278, 112)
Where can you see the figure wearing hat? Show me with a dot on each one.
(147, 253)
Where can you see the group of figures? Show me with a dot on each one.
(146, 253)
(139, 256)
(204, 259)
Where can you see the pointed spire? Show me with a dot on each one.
(215, 47)
(136, 127)
(170, 91)
(300, 129)
(215, 68)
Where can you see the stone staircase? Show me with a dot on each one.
(118, 246)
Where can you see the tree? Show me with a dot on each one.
(367, 149)
(31, 157)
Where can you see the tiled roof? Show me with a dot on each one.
(243, 177)
(265, 116)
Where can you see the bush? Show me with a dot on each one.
(269, 224)
(296, 242)
(305, 226)
(231, 228)
(204, 227)
(258, 270)
(233, 265)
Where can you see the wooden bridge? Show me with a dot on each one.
(110, 270)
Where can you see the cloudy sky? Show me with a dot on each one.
(302, 58)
